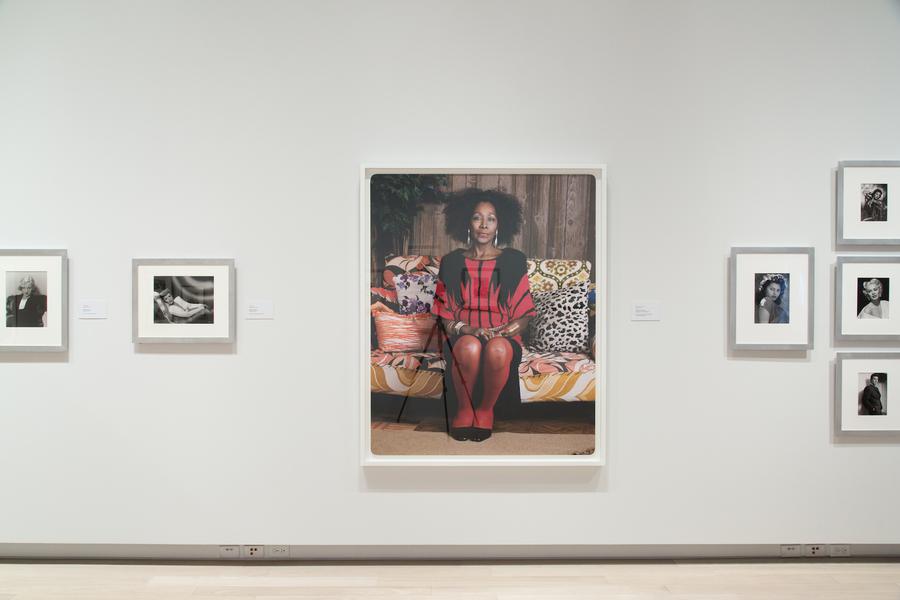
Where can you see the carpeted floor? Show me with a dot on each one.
(407, 442)
(545, 428)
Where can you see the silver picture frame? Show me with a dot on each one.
(736, 340)
(841, 427)
(839, 312)
(139, 330)
(63, 282)
(844, 238)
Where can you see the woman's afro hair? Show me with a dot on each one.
(461, 205)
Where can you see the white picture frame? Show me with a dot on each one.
(868, 203)
(855, 277)
(39, 323)
(858, 412)
(206, 316)
(597, 458)
(758, 323)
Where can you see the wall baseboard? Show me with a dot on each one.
(208, 552)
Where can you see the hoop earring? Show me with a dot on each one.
(496, 236)
(468, 237)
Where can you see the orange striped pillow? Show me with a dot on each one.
(406, 333)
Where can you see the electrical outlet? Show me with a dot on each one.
(229, 551)
(278, 552)
(815, 550)
(253, 552)
(839, 550)
(791, 550)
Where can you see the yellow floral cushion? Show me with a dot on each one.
(547, 274)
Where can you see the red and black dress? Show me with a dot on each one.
(484, 293)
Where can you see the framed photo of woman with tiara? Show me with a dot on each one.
(771, 299)
(484, 298)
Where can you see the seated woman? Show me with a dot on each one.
(176, 310)
(484, 304)
(28, 308)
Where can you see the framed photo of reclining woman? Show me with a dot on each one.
(183, 301)
(771, 305)
(35, 311)
(484, 310)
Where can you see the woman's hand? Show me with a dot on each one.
(483, 333)
(509, 330)
(513, 328)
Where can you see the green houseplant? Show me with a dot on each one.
(395, 201)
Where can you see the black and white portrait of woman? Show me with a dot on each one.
(873, 206)
(872, 298)
(26, 305)
(772, 305)
(183, 299)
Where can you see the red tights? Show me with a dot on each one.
(470, 357)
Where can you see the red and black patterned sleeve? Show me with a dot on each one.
(443, 303)
(521, 303)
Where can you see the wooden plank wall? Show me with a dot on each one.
(559, 215)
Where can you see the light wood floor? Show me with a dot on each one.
(667, 580)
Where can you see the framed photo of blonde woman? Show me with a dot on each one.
(35, 308)
(863, 287)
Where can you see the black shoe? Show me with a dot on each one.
(461, 434)
(478, 434)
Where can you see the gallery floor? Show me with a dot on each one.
(824, 579)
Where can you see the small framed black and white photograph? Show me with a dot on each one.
(183, 301)
(864, 392)
(35, 313)
(863, 298)
(865, 215)
(771, 304)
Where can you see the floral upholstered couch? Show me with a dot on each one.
(543, 376)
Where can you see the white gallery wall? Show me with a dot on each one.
(237, 129)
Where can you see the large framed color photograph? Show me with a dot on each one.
(183, 301)
(866, 195)
(36, 291)
(865, 399)
(771, 305)
(484, 310)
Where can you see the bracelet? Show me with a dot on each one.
(457, 327)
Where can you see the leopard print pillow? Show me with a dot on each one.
(561, 324)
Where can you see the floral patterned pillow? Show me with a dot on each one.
(398, 265)
(415, 292)
(546, 274)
